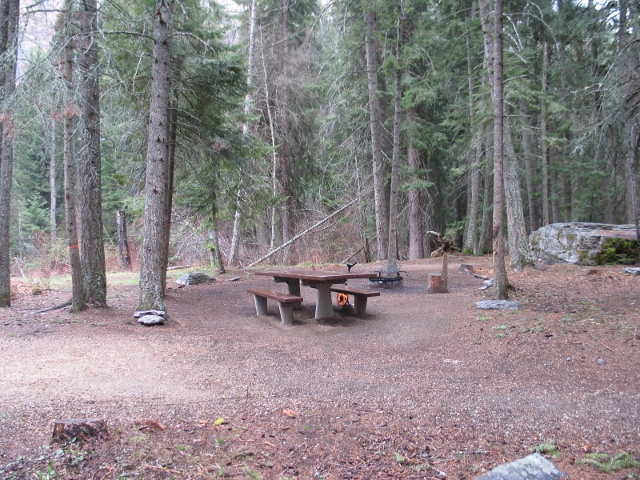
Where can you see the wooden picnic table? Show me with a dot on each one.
(321, 280)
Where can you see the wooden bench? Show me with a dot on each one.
(285, 302)
(359, 295)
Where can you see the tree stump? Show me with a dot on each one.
(439, 283)
(80, 428)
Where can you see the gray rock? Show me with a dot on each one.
(532, 467)
(194, 278)
(151, 320)
(498, 305)
(579, 243)
(142, 313)
(633, 271)
(487, 284)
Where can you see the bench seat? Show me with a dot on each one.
(360, 297)
(285, 302)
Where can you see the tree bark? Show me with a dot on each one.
(416, 240)
(171, 163)
(151, 292)
(123, 242)
(70, 181)
(235, 236)
(215, 253)
(518, 239)
(630, 88)
(392, 252)
(527, 147)
(494, 50)
(544, 155)
(274, 159)
(473, 156)
(91, 227)
(248, 107)
(53, 192)
(283, 112)
(8, 136)
(565, 147)
(375, 123)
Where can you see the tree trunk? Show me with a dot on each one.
(375, 123)
(283, 112)
(518, 239)
(392, 252)
(416, 240)
(91, 227)
(6, 156)
(555, 186)
(215, 253)
(565, 147)
(274, 159)
(630, 87)
(544, 156)
(471, 239)
(527, 147)
(151, 293)
(630, 167)
(123, 242)
(53, 192)
(248, 107)
(497, 89)
(485, 242)
(77, 286)
(235, 236)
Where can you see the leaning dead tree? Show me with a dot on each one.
(301, 234)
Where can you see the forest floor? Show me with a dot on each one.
(424, 386)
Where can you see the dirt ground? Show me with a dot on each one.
(424, 386)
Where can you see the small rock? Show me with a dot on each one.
(531, 467)
(602, 361)
(632, 271)
(142, 313)
(487, 284)
(498, 305)
(194, 278)
(151, 320)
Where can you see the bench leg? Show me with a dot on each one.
(286, 313)
(359, 305)
(294, 289)
(261, 305)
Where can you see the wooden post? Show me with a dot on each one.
(439, 283)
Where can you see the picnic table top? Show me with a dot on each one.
(316, 275)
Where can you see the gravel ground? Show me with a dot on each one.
(424, 386)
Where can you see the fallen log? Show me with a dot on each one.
(50, 309)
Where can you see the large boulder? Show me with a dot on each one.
(194, 278)
(585, 243)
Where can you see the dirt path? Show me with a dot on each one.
(423, 384)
